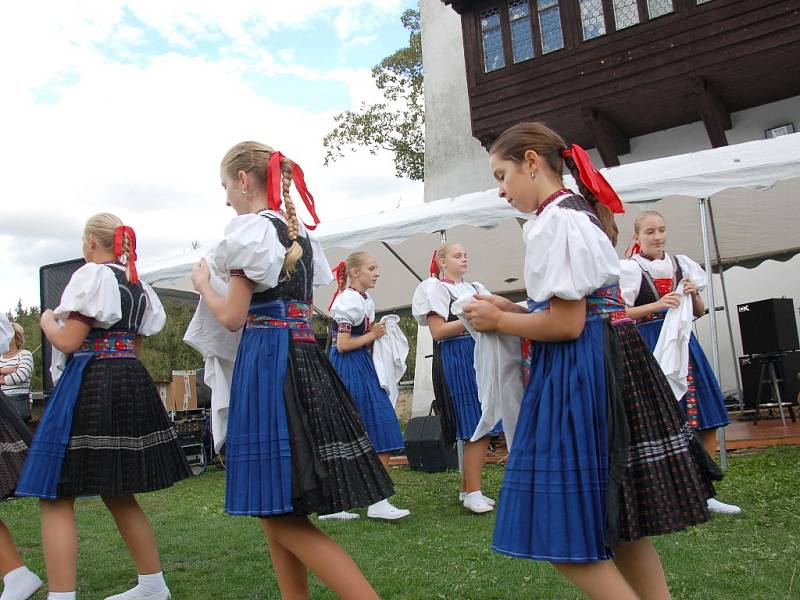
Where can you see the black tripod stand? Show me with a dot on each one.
(769, 368)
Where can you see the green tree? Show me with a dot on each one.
(398, 123)
(165, 351)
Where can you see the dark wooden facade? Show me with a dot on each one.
(700, 62)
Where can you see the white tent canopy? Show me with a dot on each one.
(749, 227)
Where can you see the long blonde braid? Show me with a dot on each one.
(295, 251)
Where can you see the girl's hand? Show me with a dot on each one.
(667, 301)
(503, 304)
(200, 274)
(378, 330)
(48, 316)
(689, 287)
(483, 315)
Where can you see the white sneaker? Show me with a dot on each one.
(137, 594)
(475, 502)
(342, 515)
(716, 506)
(489, 501)
(21, 586)
(385, 510)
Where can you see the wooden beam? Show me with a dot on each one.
(715, 115)
(460, 6)
(608, 139)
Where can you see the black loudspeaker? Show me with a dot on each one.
(426, 449)
(768, 326)
(52, 281)
(787, 367)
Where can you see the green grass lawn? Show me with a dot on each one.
(441, 551)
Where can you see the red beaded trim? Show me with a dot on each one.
(552, 198)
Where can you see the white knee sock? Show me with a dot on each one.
(153, 583)
(61, 596)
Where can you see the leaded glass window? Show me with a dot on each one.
(657, 8)
(626, 13)
(592, 19)
(550, 25)
(519, 16)
(493, 55)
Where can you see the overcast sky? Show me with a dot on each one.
(128, 107)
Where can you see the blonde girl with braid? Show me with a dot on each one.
(295, 444)
(652, 282)
(455, 381)
(104, 431)
(353, 330)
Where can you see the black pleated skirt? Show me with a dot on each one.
(15, 438)
(122, 441)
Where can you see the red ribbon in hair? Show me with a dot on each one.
(119, 237)
(593, 179)
(274, 195)
(634, 248)
(434, 269)
(340, 273)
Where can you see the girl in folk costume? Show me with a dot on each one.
(602, 458)
(650, 282)
(295, 443)
(104, 430)
(454, 381)
(353, 330)
(19, 583)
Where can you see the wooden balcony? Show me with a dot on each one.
(701, 62)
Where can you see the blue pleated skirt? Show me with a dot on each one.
(553, 500)
(357, 372)
(710, 404)
(295, 443)
(258, 447)
(458, 364)
(42, 469)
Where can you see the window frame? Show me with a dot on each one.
(505, 35)
(505, 29)
(571, 29)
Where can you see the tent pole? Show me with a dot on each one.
(723, 455)
(402, 262)
(726, 304)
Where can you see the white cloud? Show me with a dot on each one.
(144, 139)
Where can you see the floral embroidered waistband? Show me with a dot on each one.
(605, 302)
(110, 344)
(280, 314)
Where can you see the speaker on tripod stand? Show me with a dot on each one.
(769, 338)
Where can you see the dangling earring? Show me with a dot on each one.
(244, 191)
(533, 175)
